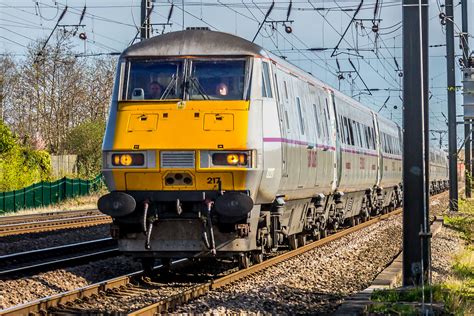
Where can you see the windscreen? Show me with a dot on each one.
(185, 78)
(216, 80)
(154, 80)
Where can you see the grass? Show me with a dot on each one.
(463, 220)
(456, 293)
(455, 296)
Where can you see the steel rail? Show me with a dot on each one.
(12, 219)
(41, 306)
(24, 262)
(54, 224)
(172, 302)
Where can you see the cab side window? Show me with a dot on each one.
(266, 84)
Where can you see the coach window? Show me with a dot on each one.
(326, 118)
(384, 143)
(346, 131)
(372, 138)
(300, 114)
(351, 132)
(287, 120)
(366, 134)
(286, 89)
(324, 126)
(277, 87)
(342, 130)
(266, 83)
(318, 124)
(361, 136)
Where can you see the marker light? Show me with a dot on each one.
(128, 159)
(230, 159)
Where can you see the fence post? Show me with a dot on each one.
(50, 193)
(33, 187)
(42, 193)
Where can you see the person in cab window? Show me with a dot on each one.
(154, 91)
(222, 90)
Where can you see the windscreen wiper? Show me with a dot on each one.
(174, 79)
(199, 88)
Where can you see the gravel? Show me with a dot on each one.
(26, 242)
(444, 246)
(317, 281)
(14, 292)
(314, 282)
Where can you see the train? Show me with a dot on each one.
(215, 147)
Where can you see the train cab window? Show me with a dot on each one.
(216, 80)
(153, 80)
(266, 84)
(300, 114)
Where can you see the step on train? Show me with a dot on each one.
(214, 146)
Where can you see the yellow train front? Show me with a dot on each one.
(177, 154)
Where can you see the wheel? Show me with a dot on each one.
(148, 265)
(352, 222)
(316, 235)
(257, 257)
(301, 240)
(323, 233)
(292, 242)
(244, 261)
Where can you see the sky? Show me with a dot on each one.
(364, 59)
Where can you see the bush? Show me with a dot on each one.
(85, 141)
(20, 166)
(7, 141)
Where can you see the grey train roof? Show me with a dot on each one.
(194, 42)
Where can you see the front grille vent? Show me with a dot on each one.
(177, 159)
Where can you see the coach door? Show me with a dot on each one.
(378, 143)
(281, 118)
(338, 154)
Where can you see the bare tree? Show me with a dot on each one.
(52, 91)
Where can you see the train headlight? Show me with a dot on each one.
(125, 160)
(240, 159)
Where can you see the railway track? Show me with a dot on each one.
(17, 228)
(14, 219)
(73, 301)
(36, 260)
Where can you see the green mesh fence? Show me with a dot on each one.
(47, 193)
